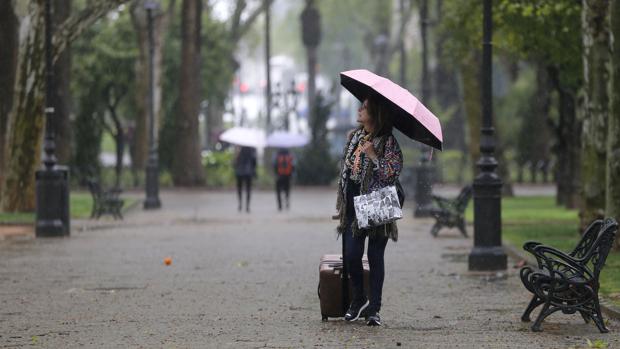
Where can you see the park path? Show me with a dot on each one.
(240, 280)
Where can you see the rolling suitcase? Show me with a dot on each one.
(334, 301)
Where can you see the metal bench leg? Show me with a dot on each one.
(586, 317)
(435, 229)
(544, 312)
(535, 302)
(462, 227)
(117, 212)
(597, 316)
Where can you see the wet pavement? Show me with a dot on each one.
(249, 280)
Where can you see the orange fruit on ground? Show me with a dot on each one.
(167, 261)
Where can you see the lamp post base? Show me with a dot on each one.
(52, 202)
(423, 193)
(152, 203)
(152, 187)
(487, 259)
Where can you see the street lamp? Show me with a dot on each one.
(52, 190)
(487, 253)
(286, 101)
(152, 166)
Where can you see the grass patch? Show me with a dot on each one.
(80, 206)
(539, 219)
(16, 218)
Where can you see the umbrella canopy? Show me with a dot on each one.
(247, 137)
(411, 117)
(283, 139)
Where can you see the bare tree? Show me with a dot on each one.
(237, 29)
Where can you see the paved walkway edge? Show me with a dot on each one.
(608, 308)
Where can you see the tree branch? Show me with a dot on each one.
(236, 18)
(404, 22)
(76, 24)
(245, 26)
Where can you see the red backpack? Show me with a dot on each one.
(284, 164)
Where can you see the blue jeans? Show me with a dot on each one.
(354, 250)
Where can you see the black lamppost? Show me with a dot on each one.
(487, 253)
(52, 190)
(152, 166)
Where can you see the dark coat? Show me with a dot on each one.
(390, 160)
(245, 162)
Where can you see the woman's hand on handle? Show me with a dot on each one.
(368, 149)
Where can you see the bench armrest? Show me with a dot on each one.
(443, 203)
(529, 246)
(557, 261)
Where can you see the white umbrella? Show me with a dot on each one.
(247, 137)
(283, 139)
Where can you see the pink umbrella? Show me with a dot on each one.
(411, 117)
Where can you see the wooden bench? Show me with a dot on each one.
(451, 212)
(569, 282)
(105, 201)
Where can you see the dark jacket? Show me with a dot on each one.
(245, 162)
(390, 161)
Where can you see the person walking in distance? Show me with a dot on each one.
(283, 167)
(245, 170)
(372, 160)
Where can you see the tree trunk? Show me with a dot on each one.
(612, 202)
(8, 62)
(470, 73)
(311, 53)
(26, 121)
(62, 91)
(542, 107)
(568, 144)
(140, 137)
(595, 111)
(187, 168)
(215, 124)
(447, 94)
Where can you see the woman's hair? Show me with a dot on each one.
(379, 112)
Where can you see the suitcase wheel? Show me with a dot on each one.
(324, 318)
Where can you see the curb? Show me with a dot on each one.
(607, 307)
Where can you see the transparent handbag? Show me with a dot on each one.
(378, 207)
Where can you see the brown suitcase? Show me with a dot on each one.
(331, 285)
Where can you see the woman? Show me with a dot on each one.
(372, 159)
(245, 169)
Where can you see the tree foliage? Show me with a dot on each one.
(101, 61)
